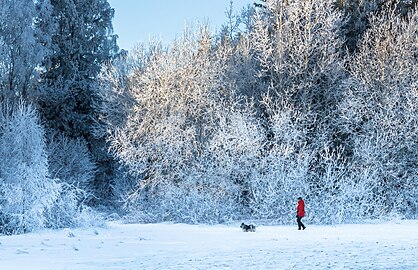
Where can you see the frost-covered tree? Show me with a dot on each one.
(26, 189)
(175, 101)
(71, 165)
(81, 43)
(298, 47)
(237, 23)
(70, 162)
(359, 12)
(214, 186)
(114, 98)
(25, 32)
(172, 101)
(243, 68)
(282, 167)
(380, 108)
(234, 153)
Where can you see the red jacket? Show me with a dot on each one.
(301, 208)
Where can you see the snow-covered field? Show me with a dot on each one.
(391, 245)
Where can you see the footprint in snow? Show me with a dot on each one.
(20, 251)
(45, 244)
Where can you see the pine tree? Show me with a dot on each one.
(82, 42)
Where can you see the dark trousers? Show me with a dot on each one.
(300, 224)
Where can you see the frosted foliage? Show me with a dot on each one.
(179, 95)
(210, 189)
(26, 188)
(114, 100)
(82, 41)
(235, 145)
(234, 150)
(212, 130)
(174, 109)
(71, 166)
(200, 198)
(70, 161)
(69, 210)
(381, 105)
(298, 46)
(273, 188)
(298, 49)
(281, 171)
(23, 44)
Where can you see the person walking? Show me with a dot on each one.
(300, 213)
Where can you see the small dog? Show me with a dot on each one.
(247, 228)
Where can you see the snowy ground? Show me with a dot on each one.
(177, 246)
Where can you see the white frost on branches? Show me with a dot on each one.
(26, 189)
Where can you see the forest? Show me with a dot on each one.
(310, 98)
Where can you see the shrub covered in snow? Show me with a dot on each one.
(70, 162)
(26, 189)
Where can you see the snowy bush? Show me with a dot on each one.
(70, 162)
(273, 191)
(26, 189)
(71, 166)
(69, 210)
(210, 190)
(328, 203)
(199, 199)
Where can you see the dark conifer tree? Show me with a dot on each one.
(82, 42)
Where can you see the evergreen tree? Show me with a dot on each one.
(82, 43)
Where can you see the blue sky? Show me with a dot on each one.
(143, 20)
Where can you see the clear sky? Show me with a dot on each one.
(143, 20)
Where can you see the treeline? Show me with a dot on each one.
(291, 98)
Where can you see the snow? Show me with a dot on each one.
(391, 245)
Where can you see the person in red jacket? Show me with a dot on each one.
(300, 213)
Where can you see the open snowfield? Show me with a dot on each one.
(391, 245)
